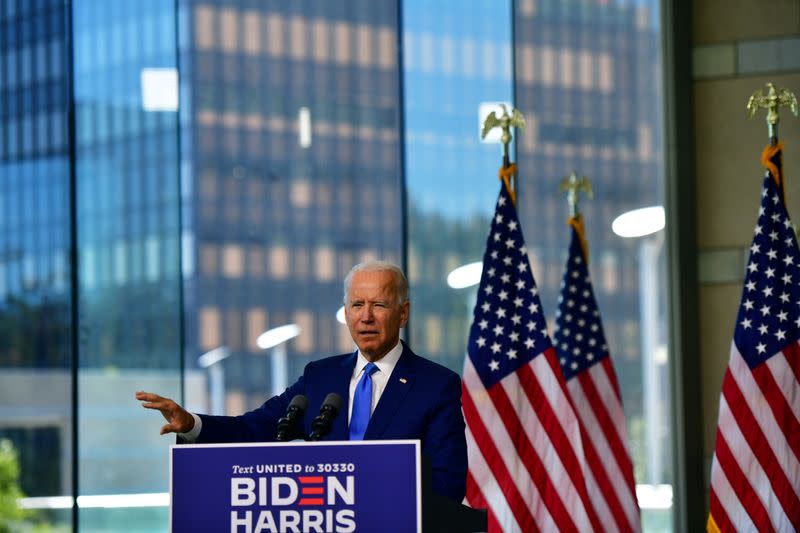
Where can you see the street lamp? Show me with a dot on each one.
(276, 338)
(647, 222)
(216, 377)
(465, 275)
(639, 222)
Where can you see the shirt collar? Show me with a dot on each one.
(385, 364)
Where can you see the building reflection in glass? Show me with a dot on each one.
(290, 151)
(35, 308)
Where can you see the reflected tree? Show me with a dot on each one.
(10, 492)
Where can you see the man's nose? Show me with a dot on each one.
(366, 313)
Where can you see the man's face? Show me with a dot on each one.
(374, 314)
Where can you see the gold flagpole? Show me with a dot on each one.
(771, 158)
(508, 172)
(572, 185)
(771, 101)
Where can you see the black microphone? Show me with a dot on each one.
(287, 426)
(321, 425)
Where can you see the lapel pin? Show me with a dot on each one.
(403, 380)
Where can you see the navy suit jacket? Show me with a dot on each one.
(422, 400)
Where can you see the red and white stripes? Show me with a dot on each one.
(526, 455)
(612, 490)
(755, 474)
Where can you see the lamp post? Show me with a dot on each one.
(647, 222)
(276, 338)
(463, 277)
(216, 377)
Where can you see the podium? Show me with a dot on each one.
(330, 486)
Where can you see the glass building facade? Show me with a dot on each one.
(36, 302)
(177, 178)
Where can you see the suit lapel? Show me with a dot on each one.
(400, 383)
(341, 380)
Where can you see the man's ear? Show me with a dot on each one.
(404, 310)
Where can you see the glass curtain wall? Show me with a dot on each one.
(291, 148)
(588, 80)
(300, 148)
(456, 67)
(587, 77)
(35, 303)
(129, 286)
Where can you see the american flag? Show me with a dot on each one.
(755, 474)
(593, 388)
(526, 459)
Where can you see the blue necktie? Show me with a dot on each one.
(362, 404)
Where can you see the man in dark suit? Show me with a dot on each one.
(389, 391)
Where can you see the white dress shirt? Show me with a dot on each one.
(380, 378)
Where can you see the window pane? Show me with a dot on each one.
(587, 78)
(128, 242)
(457, 64)
(589, 85)
(35, 310)
(291, 151)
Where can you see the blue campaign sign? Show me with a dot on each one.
(338, 487)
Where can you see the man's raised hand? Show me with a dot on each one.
(178, 419)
